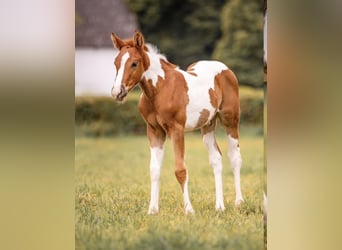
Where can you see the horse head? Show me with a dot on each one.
(131, 63)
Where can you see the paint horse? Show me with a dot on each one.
(174, 101)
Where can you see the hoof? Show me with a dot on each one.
(152, 211)
(220, 208)
(238, 202)
(189, 210)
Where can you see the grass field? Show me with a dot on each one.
(112, 197)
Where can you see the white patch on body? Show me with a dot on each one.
(235, 162)
(215, 160)
(157, 155)
(198, 90)
(118, 79)
(155, 68)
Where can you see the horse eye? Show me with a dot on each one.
(134, 64)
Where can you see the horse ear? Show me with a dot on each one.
(117, 42)
(138, 40)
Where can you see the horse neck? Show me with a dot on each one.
(152, 84)
(147, 88)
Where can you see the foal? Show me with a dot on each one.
(174, 101)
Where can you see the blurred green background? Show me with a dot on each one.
(190, 30)
(102, 116)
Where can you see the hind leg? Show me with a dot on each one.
(229, 116)
(230, 121)
(215, 160)
(236, 163)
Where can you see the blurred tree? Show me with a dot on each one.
(190, 30)
(241, 44)
(184, 30)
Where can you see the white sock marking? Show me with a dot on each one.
(187, 204)
(236, 162)
(215, 160)
(157, 155)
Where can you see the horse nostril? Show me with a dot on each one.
(121, 95)
(122, 89)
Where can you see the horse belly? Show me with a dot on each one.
(198, 119)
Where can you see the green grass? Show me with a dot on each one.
(112, 197)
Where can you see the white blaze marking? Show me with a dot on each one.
(118, 80)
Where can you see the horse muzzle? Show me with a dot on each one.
(121, 94)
